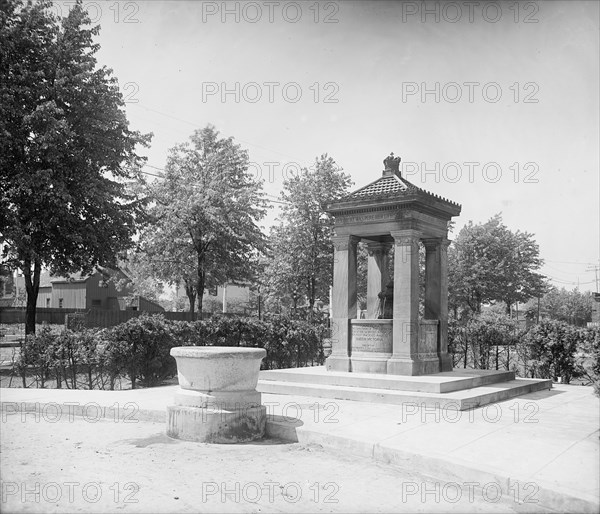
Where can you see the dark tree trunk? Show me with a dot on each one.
(311, 300)
(191, 294)
(259, 306)
(200, 284)
(466, 350)
(32, 286)
(133, 370)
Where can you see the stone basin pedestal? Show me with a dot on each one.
(217, 401)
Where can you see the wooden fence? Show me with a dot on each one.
(93, 318)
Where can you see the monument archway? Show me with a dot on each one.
(391, 212)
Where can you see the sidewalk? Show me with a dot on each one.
(543, 445)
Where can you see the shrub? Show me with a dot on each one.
(65, 359)
(550, 349)
(37, 355)
(291, 343)
(288, 342)
(478, 341)
(182, 333)
(587, 356)
(140, 348)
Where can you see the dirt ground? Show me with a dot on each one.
(78, 466)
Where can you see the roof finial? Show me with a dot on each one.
(392, 165)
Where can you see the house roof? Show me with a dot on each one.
(73, 277)
(82, 277)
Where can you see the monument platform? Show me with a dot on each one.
(458, 389)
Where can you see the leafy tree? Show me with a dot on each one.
(205, 211)
(282, 275)
(519, 280)
(301, 261)
(489, 263)
(66, 150)
(137, 280)
(573, 307)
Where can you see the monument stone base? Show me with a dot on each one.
(414, 366)
(445, 362)
(337, 363)
(364, 363)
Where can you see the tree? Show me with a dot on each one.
(573, 307)
(301, 261)
(205, 212)
(282, 276)
(66, 150)
(489, 263)
(137, 278)
(520, 259)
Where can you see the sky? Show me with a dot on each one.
(492, 105)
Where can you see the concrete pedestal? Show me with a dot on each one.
(217, 401)
(216, 425)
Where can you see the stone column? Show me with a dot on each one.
(406, 303)
(436, 294)
(343, 301)
(445, 357)
(432, 278)
(377, 275)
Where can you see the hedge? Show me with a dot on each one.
(139, 349)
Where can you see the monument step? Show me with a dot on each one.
(446, 382)
(457, 400)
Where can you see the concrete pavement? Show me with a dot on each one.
(541, 448)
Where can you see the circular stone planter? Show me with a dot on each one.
(217, 401)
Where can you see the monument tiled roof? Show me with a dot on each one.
(383, 186)
(390, 185)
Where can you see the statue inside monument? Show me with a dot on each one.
(385, 309)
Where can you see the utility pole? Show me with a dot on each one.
(595, 269)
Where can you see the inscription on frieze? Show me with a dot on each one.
(371, 337)
(364, 218)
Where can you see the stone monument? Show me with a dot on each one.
(379, 359)
(391, 213)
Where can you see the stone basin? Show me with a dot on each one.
(218, 368)
(217, 401)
